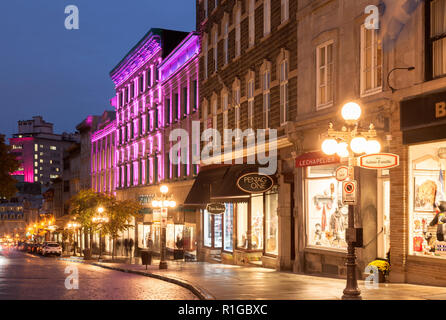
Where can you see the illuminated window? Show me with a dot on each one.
(53, 148)
(41, 160)
(36, 156)
(36, 147)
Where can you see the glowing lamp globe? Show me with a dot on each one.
(342, 150)
(351, 111)
(372, 147)
(100, 209)
(329, 146)
(173, 204)
(358, 144)
(164, 189)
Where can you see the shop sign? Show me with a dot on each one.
(349, 192)
(255, 183)
(146, 198)
(342, 173)
(216, 208)
(379, 161)
(318, 158)
(156, 215)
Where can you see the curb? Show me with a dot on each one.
(201, 293)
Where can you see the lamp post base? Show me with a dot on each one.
(163, 265)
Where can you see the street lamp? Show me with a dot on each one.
(349, 143)
(74, 226)
(164, 202)
(100, 220)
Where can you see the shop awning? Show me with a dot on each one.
(218, 183)
(318, 158)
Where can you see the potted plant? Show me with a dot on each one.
(383, 267)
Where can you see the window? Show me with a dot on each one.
(437, 37)
(215, 40)
(184, 103)
(371, 61)
(266, 17)
(251, 18)
(141, 84)
(214, 113)
(324, 75)
(218, 230)
(284, 92)
(225, 43)
(228, 226)
(205, 7)
(149, 78)
(426, 192)
(207, 229)
(251, 103)
(225, 114)
(242, 225)
(176, 110)
(327, 217)
(284, 10)
(36, 148)
(237, 107)
(237, 31)
(266, 98)
(257, 222)
(194, 95)
(167, 114)
(271, 223)
(205, 53)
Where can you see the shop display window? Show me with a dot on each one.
(145, 238)
(218, 235)
(242, 225)
(427, 221)
(178, 236)
(170, 236)
(207, 229)
(189, 238)
(257, 222)
(327, 217)
(228, 226)
(271, 223)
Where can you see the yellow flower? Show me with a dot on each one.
(382, 265)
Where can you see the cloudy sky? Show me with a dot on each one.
(63, 75)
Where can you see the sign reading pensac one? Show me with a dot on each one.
(255, 183)
(379, 161)
(216, 208)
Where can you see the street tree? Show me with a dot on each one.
(119, 213)
(8, 164)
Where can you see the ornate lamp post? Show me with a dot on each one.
(163, 203)
(100, 220)
(74, 226)
(349, 143)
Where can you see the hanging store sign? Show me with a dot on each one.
(216, 208)
(318, 158)
(342, 173)
(379, 161)
(255, 183)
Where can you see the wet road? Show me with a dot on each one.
(25, 276)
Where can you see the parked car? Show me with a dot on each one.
(51, 248)
(39, 248)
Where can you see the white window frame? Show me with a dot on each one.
(284, 98)
(251, 23)
(266, 17)
(266, 98)
(322, 105)
(375, 68)
(251, 97)
(284, 10)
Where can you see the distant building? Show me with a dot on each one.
(12, 221)
(39, 150)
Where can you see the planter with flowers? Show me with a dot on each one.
(383, 267)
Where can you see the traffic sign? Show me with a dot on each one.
(349, 192)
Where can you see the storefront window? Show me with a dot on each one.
(170, 236)
(426, 199)
(327, 217)
(257, 222)
(189, 239)
(271, 223)
(218, 239)
(144, 236)
(228, 226)
(207, 229)
(179, 242)
(242, 225)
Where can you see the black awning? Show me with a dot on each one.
(207, 179)
(219, 183)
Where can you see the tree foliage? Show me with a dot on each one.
(84, 206)
(8, 164)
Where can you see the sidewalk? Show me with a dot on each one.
(228, 282)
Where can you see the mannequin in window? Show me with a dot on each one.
(440, 220)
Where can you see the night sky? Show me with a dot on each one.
(63, 75)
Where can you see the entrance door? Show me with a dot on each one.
(383, 213)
